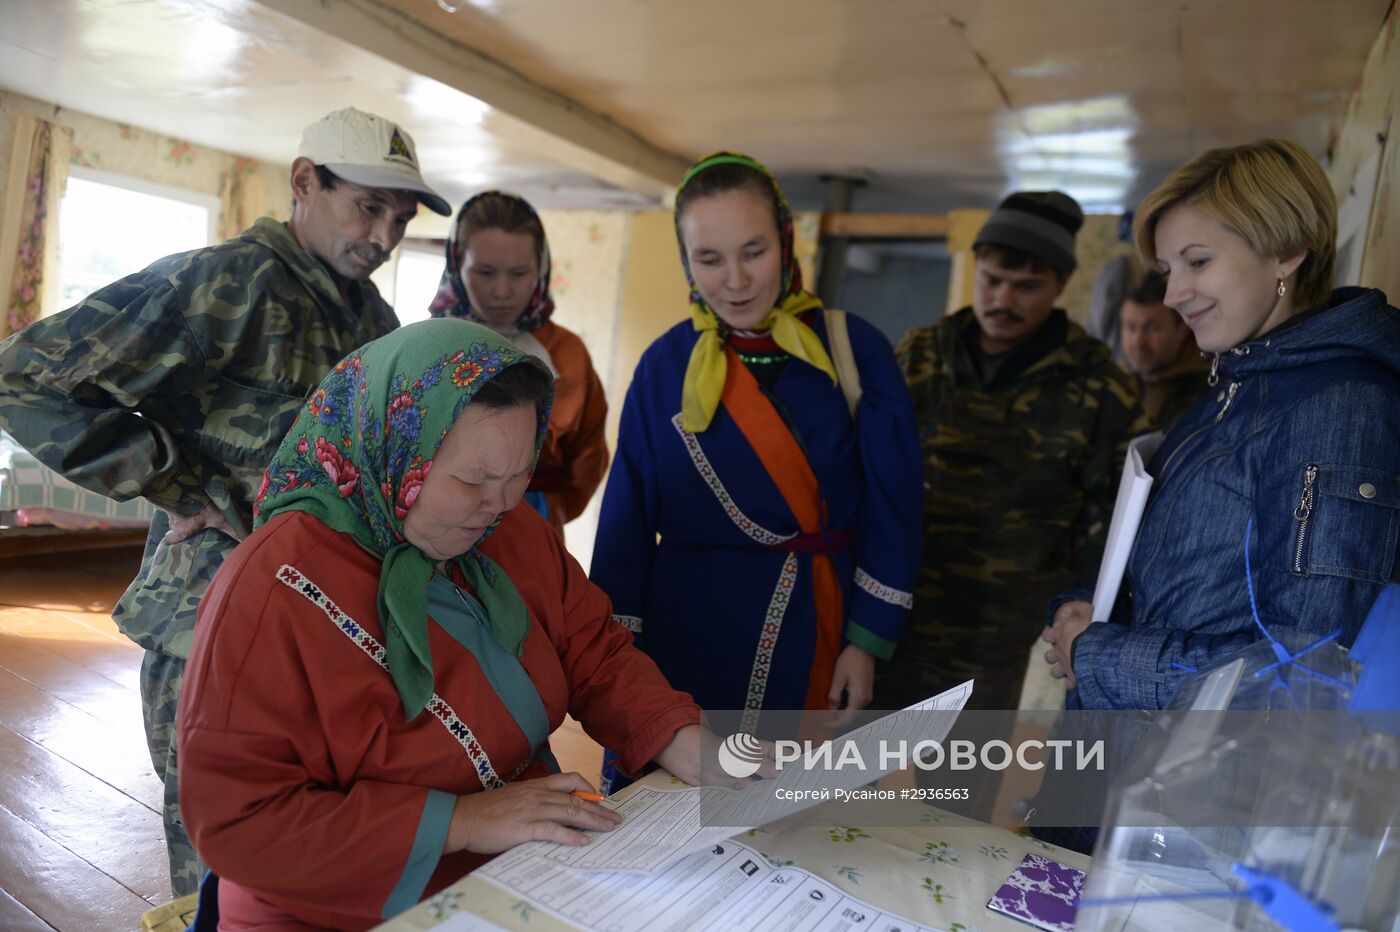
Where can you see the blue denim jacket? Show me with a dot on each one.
(1301, 434)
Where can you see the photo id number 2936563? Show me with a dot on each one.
(929, 794)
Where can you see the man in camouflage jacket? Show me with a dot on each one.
(1024, 423)
(177, 384)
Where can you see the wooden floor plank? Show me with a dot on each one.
(120, 663)
(59, 887)
(16, 917)
(81, 845)
(48, 670)
(98, 824)
(100, 622)
(69, 625)
(117, 755)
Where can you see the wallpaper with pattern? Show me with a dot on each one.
(139, 153)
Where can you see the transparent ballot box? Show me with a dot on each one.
(1266, 797)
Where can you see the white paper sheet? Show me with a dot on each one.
(726, 886)
(1127, 515)
(659, 827)
(930, 720)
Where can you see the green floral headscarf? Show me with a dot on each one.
(357, 456)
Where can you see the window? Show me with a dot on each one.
(111, 226)
(416, 278)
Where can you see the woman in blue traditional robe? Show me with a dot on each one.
(760, 528)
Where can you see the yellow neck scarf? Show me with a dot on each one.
(705, 373)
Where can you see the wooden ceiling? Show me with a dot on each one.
(935, 104)
(940, 103)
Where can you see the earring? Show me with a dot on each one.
(1281, 288)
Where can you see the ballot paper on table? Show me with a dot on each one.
(1127, 515)
(660, 826)
(727, 885)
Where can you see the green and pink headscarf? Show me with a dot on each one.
(357, 457)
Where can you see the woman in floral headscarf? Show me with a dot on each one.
(498, 275)
(760, 528)
(377, 669)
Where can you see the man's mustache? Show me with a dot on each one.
(1005, 313)
(370, 251)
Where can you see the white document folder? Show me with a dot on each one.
(1127, 515)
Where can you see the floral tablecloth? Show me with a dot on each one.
(937, 869)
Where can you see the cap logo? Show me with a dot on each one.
(398, 149)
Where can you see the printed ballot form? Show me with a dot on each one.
(660, 826)
(726, 886)
(673, 864)
(1127, 515)
(657, 826)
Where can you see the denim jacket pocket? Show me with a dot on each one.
(1346, 522)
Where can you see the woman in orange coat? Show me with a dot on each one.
(377, 669)
(498, 275)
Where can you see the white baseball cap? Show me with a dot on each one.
(369, 150)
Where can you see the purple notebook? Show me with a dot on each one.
(1041, 892)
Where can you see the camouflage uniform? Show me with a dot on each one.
(177, 384)
(1019, 482)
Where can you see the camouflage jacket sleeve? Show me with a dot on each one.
(1121, 418)
(916, 356)
(73, 386)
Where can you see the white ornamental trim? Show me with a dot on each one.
(630, 622)
(726, 501)
(768, 642)
(291, 577)
(883, 592)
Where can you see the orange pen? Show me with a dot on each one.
(591, 797)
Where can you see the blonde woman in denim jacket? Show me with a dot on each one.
(1293, 453)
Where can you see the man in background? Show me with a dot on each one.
(1024, 423)
(178, 383)
(1161, 353)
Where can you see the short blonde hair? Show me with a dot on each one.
(1272, 193)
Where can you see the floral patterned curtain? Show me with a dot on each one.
(29, 223)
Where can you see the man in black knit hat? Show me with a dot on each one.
(1024, 422)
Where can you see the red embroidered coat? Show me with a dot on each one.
(303, 785)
